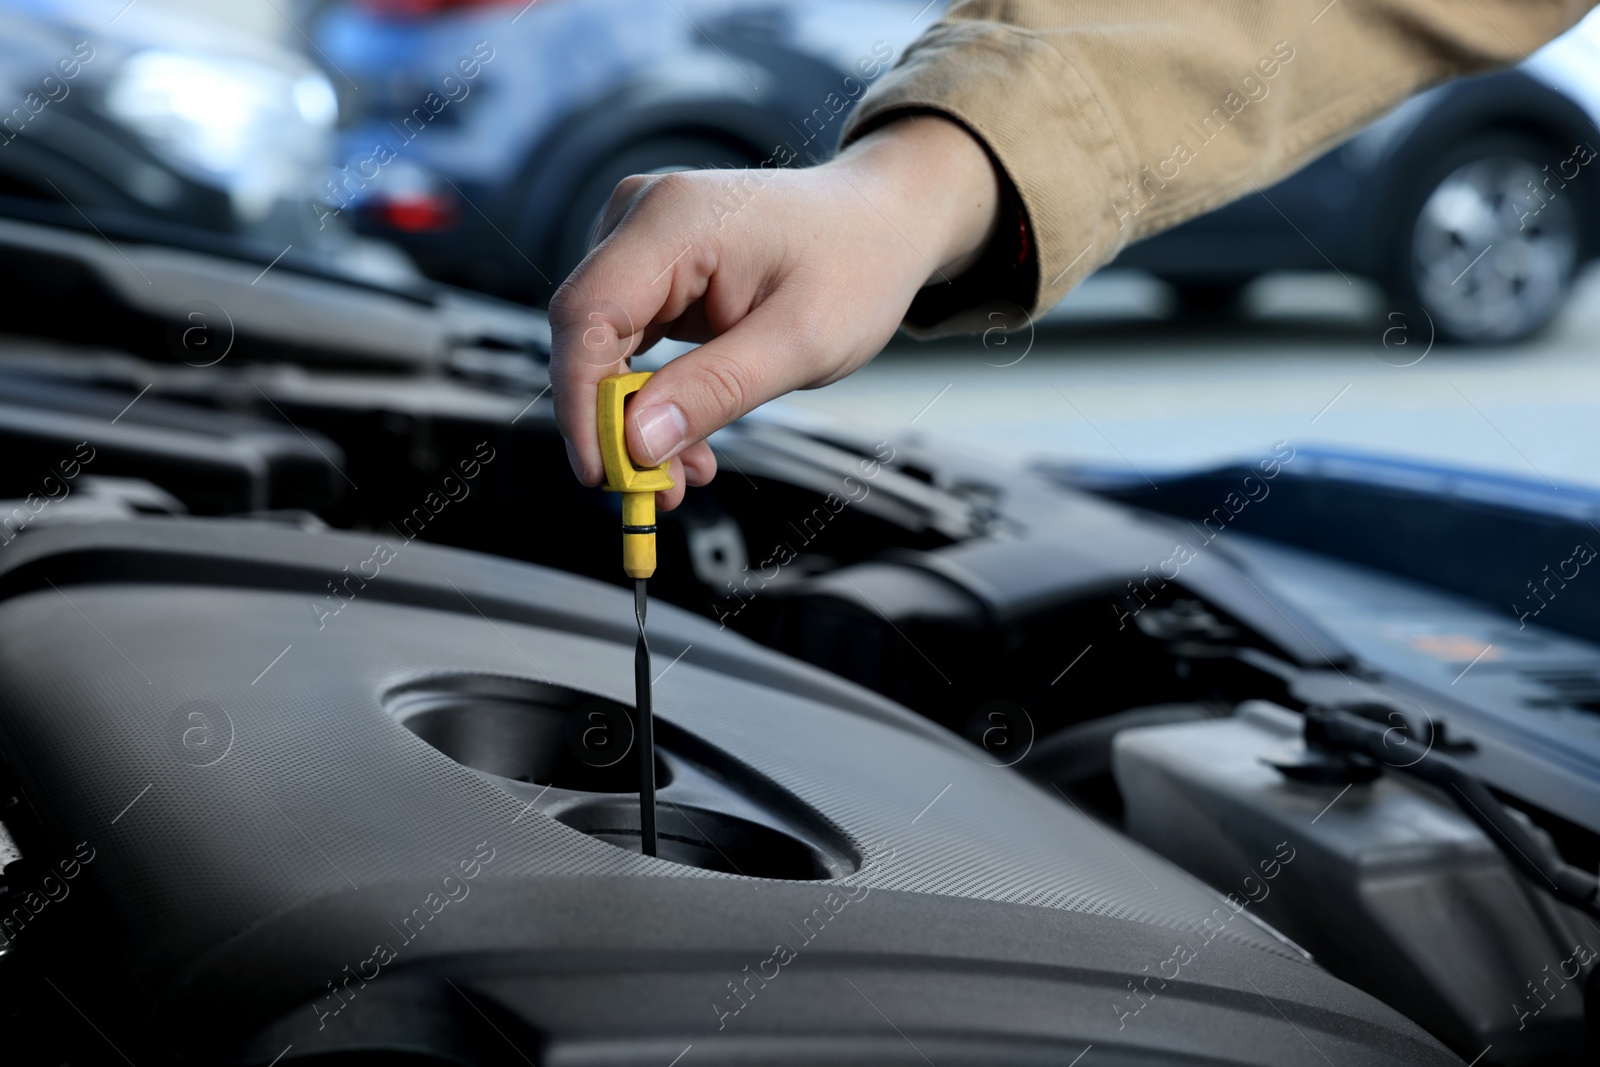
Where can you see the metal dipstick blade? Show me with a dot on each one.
(646, 727)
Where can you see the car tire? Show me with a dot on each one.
(1476, 248)
(659, 155)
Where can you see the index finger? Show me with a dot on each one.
(586, 346)
(599, 317)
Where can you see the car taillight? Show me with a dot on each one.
(416, 212)
(423, 8)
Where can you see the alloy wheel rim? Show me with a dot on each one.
(1494, 247)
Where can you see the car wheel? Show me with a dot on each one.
(661, 155)
(1484, 246)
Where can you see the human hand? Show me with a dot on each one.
(791, 279)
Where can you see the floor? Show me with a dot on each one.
(1111, 378)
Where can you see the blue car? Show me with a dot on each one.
(486, 136)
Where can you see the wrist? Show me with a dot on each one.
(940, 183)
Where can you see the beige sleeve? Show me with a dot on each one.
(1114, 120)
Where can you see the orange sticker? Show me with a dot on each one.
(1455, 647)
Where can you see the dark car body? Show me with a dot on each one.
(1347, 210)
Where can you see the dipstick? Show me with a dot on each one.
(638, 488)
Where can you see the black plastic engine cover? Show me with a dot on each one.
(282, 868)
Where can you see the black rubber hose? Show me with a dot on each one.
(1343, 730)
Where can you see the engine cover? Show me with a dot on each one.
(339, 794)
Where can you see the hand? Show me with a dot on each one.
(791, 279)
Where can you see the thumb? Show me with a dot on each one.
(703, 390)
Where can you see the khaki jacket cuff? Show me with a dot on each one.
(1005, 85)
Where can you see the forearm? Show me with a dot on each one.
(1115, 122)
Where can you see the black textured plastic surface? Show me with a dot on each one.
(240, 876)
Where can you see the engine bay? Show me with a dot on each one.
(314, 673)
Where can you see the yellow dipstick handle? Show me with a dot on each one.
(638, 487)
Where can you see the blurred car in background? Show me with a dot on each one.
(1474, 202)
(160, 118)
(502, 190)
(140, 124)
(486, 136)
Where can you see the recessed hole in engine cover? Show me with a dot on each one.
(713, 811)
(526, 731)
(699, 837)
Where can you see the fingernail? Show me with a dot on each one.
(572, 458)
(663, 430)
